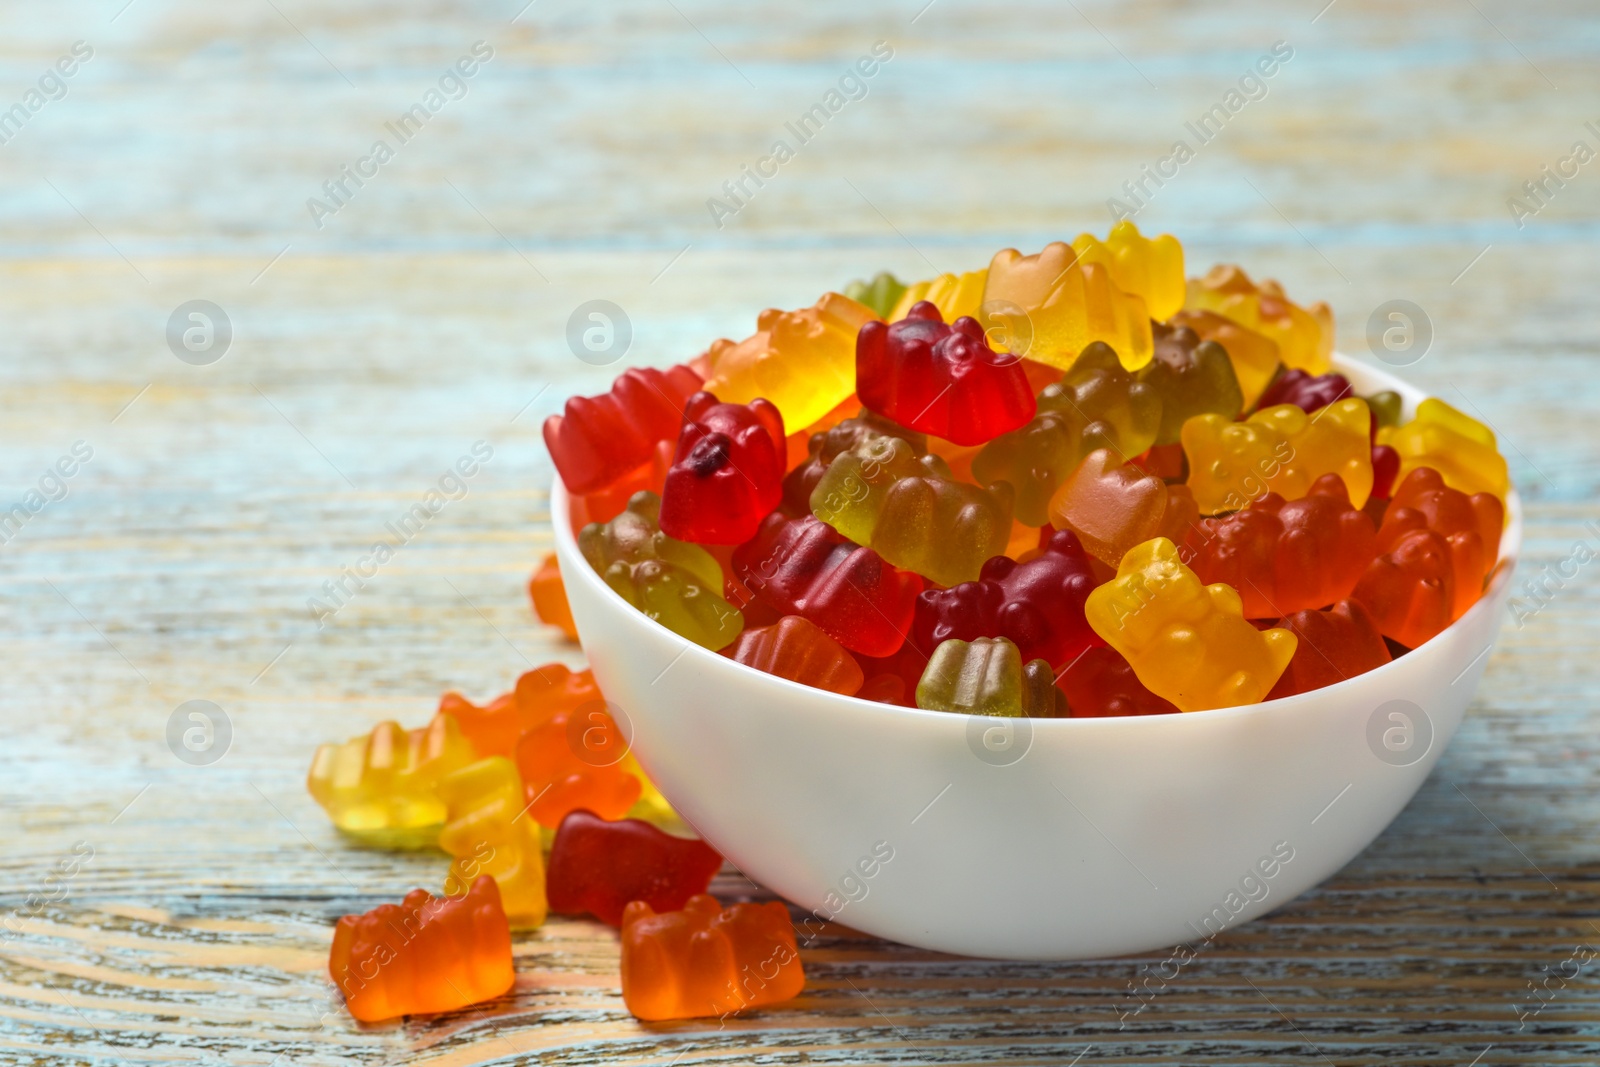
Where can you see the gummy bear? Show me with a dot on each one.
(1096, 405)
(706, 961)
(602, 438)
(1459, 447)
(671, 581)
(798, 649)
(549, 596)
(488, 833)
(1254, 356)
(1068, 304)
(540, 694)
(381, 788)
(606, 504)
(1410, 589)
(426, 954)
(1187, 642)
(1336, 643)
(1385, 469)
(880, 295)
(985, 676)
(1149, 268)
(1386, 408)
(801, 361)
(1304, 335)
(597, 866)
(1286, 557)
(1470, 526)
(1100, 683)
(802, 566)
(727, 474)
(1278, 450)
(1036, 604)
(824, 447)
(574, 761)
(1308, 392)
(912, 511)
(954, 295)
(1191, 377)
(1111, 506)
(940, 379)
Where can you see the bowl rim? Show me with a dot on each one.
(1510, 547)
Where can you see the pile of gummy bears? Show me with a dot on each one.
(1075, 483)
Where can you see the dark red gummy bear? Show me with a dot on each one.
(599, 439)
(1308, 392)
(802, 566)
(727, 474)
(1037, 604)
(1335, 643)
(1385, 468)
(598, 867)
(1100, 683)
(943, 380)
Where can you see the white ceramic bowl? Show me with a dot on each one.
(1062, 839)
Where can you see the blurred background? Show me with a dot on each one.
(361, 334)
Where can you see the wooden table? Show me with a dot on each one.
(429, 312)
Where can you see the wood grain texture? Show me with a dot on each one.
(430, 313)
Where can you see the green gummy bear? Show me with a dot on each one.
(911, 510)
(1097, 404)
(1189, 377)
(673, 582)
(1386, 407)
(986, 676)
(881, 294)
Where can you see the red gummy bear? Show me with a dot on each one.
(600, 439)
(1410, 589)
(942, 380)
(425, 954)
(1286, 557)
(705, 960)
(1037, 604)
(1100, 684)
(597, 866)
(1385, 469)
(1308, 392)
(727, 474)
(1337, 643)
(1471, 526)
(804, 567)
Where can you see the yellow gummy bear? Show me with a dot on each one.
(1186, 641)
(651, 806)
(381, 788)
(489, 832)
(1069, 304)
(1279, 450)
(1459, 447)
(1149, 268)
(953, 295)
(803, 361)
(1304, 335)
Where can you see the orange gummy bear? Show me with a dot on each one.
(425, 954)
(575, 761)
(549, 596)
(541, 694)
(1109, 505)
(705, 960)
(797, 648)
